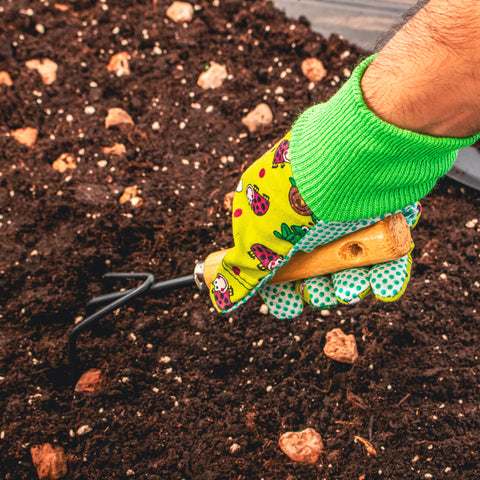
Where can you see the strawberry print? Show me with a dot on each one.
(222, 292)
(281, 156)
(258, 202)
(268, 258)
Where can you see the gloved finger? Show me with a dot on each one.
(282, 300)
(389, 280)
(317, 291)
(351, 285)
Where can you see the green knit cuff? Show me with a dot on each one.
(349, 164)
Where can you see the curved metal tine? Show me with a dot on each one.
(163, 286)
(127, 297)
(110, 297)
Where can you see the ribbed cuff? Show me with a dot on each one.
(349, 164)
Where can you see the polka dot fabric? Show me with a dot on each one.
(282, 300)
(286, 300)
(319, 292)
(351, 285)
(389, 280)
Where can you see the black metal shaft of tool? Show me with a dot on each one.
(156, 288)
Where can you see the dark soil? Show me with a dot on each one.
(414, 390)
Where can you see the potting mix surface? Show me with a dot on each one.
(188, 393)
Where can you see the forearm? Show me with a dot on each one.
(427, 77)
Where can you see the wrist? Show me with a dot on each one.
(429, 107)
(426, 77)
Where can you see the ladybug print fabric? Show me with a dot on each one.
(268, 258)
(265, 199)
(281, 157)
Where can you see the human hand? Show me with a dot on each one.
(271, 222)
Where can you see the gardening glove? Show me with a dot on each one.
(267, 193)
(340, 169)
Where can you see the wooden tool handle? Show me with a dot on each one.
(381, 242)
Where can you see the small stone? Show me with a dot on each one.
(313, 69)
(5, 79)
(340, 347)
(260, 116)
(303, 447)
(264, 309)
(119, 64)
(90, 381)
(89, 109)
(228, 201)
(472, 223)
(117, 149)
(165, 359)
(213, 77)
(45, 67)
(49, 461)
(130, 195)
(234, 448)
(180, 12)
(117, 116)
(84, 429)
(64, 162)
(26, 136)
